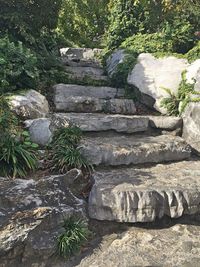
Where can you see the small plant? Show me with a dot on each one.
(74, 236)
(17, 155)
(64, 152)
(176, 104)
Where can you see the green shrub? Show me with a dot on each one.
(64, 153)
(17, 155)
(176, 104)
(194, 53)
(18, 66)
(74, 236)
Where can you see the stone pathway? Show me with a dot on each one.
(117, 138)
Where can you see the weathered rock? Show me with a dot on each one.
(126, 150)
(63, 91)
(197, 84)
(144, 194)
(168, 123)
(94, 122)
(191, 125)
(193, 71)
(29, 105)
(39, 130)
(151, 75)
(86, 72)
(114, 60)
(76, 54)
(31, 217)
(175, 246)
(91, 104)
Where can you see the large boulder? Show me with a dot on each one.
(31, 217)
(171, 246)
(191, 125)
(193, 74)
(29, 105)
(151, 75)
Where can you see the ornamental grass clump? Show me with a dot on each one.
(64, 153)
(75, 234)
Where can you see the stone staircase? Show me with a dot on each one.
(138, 177)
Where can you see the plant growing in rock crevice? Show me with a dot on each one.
(18, 155)
(175, 104)
(74, 236)
(64, 153)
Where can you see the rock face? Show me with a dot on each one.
(77, 54)
(126, 150)
(169, 123)
(150, 75)
(142, 194)
(114, 60)
(63, 91)
(39, 130)
(91, 122)
(193, 71)
(30, 105)
(175, 246)
(94, 105)
(191, 125)
(31, 217)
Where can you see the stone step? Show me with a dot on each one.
(76, 54)
(95, 122)
(86, 72)
(91, 104)
(63, 91)
(144, 194)
(134, 149)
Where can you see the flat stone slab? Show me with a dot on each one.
(144, 194)
(126, 150)
(63, 91)
(95, 73)
(94, 105)
(94, 122)
(80, 53)
(169, 123)
(178, 245)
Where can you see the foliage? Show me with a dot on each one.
(194, 53)
(24, 19)
(83, 21)
(64, 152)
(18, 66)
(128, 18)
(17, 155)
(176, 104)
(74, 236)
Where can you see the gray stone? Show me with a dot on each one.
(144, 194)
(126, 150)
(151, 75)
(31, 218)
(168, 123)
(77, 54)
(94, 122)
(63, 91)
(39, 131)
(86, 72)
(91, 104)
(193, 72)
(191, 125)
(114, 60)
(178, 245)
(29, 105)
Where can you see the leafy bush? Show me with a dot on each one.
(17, 155)
(64, 152)
(18, 66)
(176, 104)
(85, 24)
(74, 236)
(194, 53)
